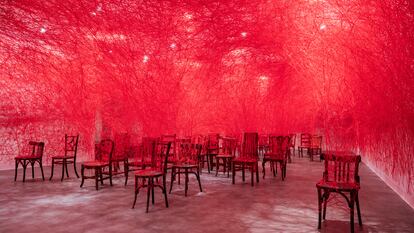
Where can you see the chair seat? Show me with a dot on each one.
(62, 157)
(148, 173)
(95, 164)
(225, 156)
(138, 163)
(245, 160)
(26, 157)
(338, 186)
(185, 165)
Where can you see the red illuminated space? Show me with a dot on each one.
(206, 116)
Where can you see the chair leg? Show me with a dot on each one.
(53, 168)
(110, 174)
(164, 183)
(358, 210)
(243, 176)
(252, 175)
(325, 201)
(148, 193)
(96, 178)
(233, 171)
(82, 174)
(257, 172)
(41, 169)
(101, 175)
(66, 168)
(198, 179)
(126, 170)
(74, 167)
(172, 178)
(135, 192)
(32, 164)
(319, 208)
(186, 181)
(217, 165)
(15, 170)
(24, 171)
(352, 201)
(263, 168)
(63, 170)
(152, 192)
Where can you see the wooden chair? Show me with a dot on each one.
(69, 157)
(305, 140)
(315, 147)
(172, 157)
(158, 169)
(248, 158)
(340, 176)
(120, 155)
(263, 144)
(36, 155)
(140, 157)
(292, 146)
(188, 164)
(279, 151)
(226, 155)
(103, 160)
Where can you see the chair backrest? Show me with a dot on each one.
(173, 139)
(279, 146)
(263, 140)
(147, 148)
(316, 141)
(122, 145)
(161, 151)
(104, 150)
(342, 168)
(250, 146)
(305, 139)
(37, 149)
(213, 142)
(228, 146)
(190, 152)
(71, 145)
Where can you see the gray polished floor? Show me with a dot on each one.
(271, 206)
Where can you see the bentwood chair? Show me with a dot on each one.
(35, 155)
(279, 151)
(212, 150)
(226, 155)
(149, 177)
(140, 157)
(305, 141)
(341, 177)
(248, 158)
(315, 147)
(292, 146)
(263, 144)
(166, 138)
(103, 160)
(121, 155)
(69, 156)
(188, 164)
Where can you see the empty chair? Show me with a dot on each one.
(248, 158)
(278, 153)
(305, 141)
(103, 160)
(340, 176)
(69, 156)
(292, 145)
(149, 177)
(120, 155)
(166, 138)
(315, 147)
(226, 154)
(36, 155)
(263, 143)
(212, 150)
(188, 164)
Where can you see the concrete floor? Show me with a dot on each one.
(271, 206)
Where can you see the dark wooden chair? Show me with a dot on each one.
(292, 146)
(248, 158)
(226, 155)
(188, 164)
(149, 177)
(278, 153)
(166, 138)
(69, 157)
(122, 149)
(35, 155)
(305, 141)
(103, 160)
(140, 156)
(263, 144)
(315, 148)
(341, 177)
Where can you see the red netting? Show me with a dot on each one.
(340, 68)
